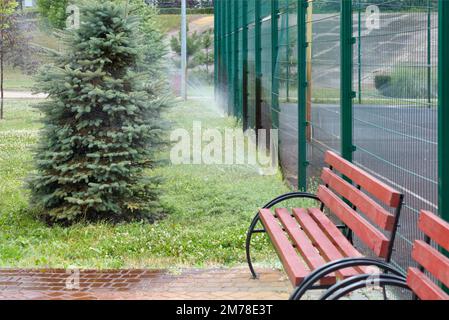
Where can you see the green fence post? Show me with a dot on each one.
(258, 64)
(217, 54)
(223, 92)
(443, 110)
(302, 93)
(216, 50)
(274, 64)
(237, 109)
(346, 94)
(245, 64)
(359, 51)
(229, 57)
(429, 54)
(287, 51)
(225, 57)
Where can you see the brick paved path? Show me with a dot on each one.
(143, 284)
(189, 284)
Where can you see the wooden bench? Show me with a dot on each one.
(306, 239)
(416, 280)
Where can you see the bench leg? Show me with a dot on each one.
(368, 280)
(362, 281)
(249, 235)
(269, 205)
(333, 266)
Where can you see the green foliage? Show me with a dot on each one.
(381, 81)
(102, 124)
(207, 40)
(54, 11)
(16, 80)
(7, 9)
(167, 23)
(199, 52)
(175, 11)
(407, 82)
(194, 43)
(15, 49)
(205, 57)
(152, 45)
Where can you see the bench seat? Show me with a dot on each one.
(310, 244)
(426, 281)
(307, 239)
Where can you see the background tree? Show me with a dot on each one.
(205, 57)
(20, 50)
(7, 10)
(153, 47)
(102, 125)
(54, 11)
(194, 43)
(15, 47)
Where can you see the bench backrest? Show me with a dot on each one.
(430, 259)
(337, 189)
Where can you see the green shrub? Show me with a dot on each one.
(381, 81)
(54, 11)
(407, 83)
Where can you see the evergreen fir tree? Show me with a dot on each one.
(103, 125)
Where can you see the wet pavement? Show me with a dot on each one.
(191, 284)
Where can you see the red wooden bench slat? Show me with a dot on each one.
(374, 186)
(300, 239)
(321, 241)
(365, 204)
(371, 237)
(423, 287)
(308, 252)
(294, 267)
(435, 228)
(432, 260)
(336, 236)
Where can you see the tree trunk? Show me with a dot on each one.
(207, 64)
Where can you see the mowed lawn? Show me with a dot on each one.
(208, 209)
(16, 80)
(172, 22)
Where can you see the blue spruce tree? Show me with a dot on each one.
(102, 124)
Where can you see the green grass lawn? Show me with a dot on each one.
(17, 81)
(168, 22)
(209, 209)
(171, 22)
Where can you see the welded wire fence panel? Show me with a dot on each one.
(225, 57)
(251, 67)
(394, 79)
(266, 65)
(232, 89)
(395, 113)
(239, 57)
(288, 94)
(324, 94)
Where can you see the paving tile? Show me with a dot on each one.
(188, 284)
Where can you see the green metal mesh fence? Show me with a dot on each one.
(395, 112)
(358, 77)
(324, 101)
(287, 76)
